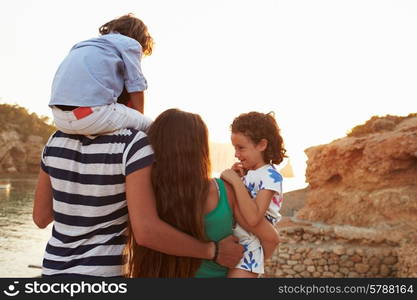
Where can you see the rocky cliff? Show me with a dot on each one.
(365, 180)
(369, 180)
(22, 137)
(17, 155)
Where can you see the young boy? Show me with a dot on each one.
(91, 78)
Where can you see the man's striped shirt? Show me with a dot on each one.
(89, 201)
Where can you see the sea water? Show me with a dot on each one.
(22, 243)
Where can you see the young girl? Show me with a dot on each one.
(91, 78)
(258, 145)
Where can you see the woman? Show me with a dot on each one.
(186, 197)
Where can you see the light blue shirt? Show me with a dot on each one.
(95, 71)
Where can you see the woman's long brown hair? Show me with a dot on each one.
(180, 179)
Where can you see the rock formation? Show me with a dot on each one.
(361, 201)
(365, 180)
(18, 155)
(22, 137)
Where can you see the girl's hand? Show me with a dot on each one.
(230, 176)
(238, 168)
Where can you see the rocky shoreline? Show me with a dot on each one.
(18, 155)
(357, 217)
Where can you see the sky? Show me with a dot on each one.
(322, 66)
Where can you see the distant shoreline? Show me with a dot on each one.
(17, 175)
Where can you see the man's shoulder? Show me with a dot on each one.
(129, 133)
(132, 138)
(124, 135)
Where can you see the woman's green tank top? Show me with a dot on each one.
(218, 225)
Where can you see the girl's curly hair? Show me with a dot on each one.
(257, 126)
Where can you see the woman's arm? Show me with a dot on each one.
(253, 210)
(42, 206)
(150, 231)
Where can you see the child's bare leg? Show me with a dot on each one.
(265, 231)
(269, 248)
(268, 236)
(239, 273)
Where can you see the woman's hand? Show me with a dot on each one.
(230, 252)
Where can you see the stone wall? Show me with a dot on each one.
(318, 250)
(407, 261)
